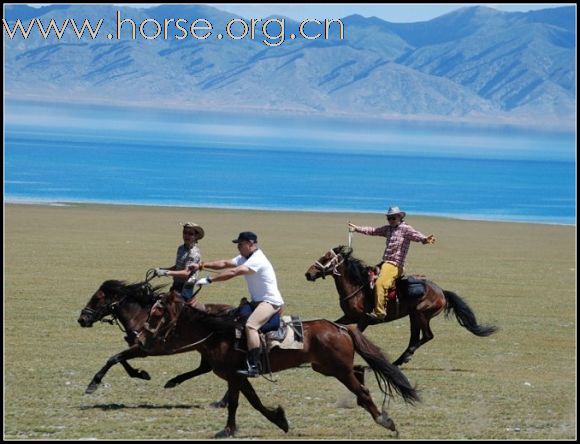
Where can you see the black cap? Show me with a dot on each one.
(246, 236)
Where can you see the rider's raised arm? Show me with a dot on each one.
(231, 273)
(214, 265)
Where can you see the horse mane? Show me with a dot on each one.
(358, 270)
(141, 292)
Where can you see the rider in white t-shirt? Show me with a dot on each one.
(260, 277)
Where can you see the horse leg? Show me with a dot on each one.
(414, 341)
(359, 372)
(130, 353)
(204, 367)
(363, 397)
(135, 373)
(233, 399)
(277, 416)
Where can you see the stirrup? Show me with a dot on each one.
(374, 318)
(250, 372)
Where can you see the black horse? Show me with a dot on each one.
(130, 305)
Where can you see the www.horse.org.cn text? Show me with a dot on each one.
(272, 31)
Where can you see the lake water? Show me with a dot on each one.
(236, 165)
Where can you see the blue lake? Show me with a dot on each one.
(262, 168)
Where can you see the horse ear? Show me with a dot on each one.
(344, 250)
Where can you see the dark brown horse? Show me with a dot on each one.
(351, 277)
(129, 306)
(328, 347)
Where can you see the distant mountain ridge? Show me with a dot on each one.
(475, 63)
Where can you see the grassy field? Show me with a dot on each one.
(517, 384)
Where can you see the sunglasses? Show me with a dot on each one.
(392, 218)
(188, 233)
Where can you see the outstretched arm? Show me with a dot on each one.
(369, 231)
(213, 265)
(430, 239)
(226, 275)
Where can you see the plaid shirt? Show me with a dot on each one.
(185, 257)
(398, 240)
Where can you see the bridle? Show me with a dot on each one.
(332, 265)
(336, 261)
(108, 308)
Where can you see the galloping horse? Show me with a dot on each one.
(130, 305)
(327, 346)
(356, 299)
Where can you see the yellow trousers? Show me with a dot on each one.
(386, 280)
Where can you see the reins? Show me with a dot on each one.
(352, 294)
(193, 344)
(336, 261)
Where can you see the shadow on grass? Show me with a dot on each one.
(142, 406)
(439, 370)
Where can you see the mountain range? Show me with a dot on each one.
(474, 64)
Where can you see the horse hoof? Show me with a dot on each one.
(225, 433)
(218, 405)
(281, 420)
(91, 388)
(387, 422)
(144, 375)
(170, 384)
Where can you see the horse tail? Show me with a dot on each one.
(389, 374)
(465, 315)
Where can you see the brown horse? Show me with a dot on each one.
(129, 306)
(327, 346)
(351, 277)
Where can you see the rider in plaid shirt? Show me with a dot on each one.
(399, 235)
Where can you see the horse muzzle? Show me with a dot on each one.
(311, 277)
(84, 322)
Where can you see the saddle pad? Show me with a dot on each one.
(293, 337)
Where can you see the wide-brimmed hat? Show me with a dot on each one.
(396, 210)
(195, 227)
(246, 236)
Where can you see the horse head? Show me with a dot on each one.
(101, 303)
(111, 294)
(328, 264)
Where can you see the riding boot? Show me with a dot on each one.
(253, 363)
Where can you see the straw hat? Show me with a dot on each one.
(195, 227)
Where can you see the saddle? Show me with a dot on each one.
(410, 287)
(280, 331)
(406, 287)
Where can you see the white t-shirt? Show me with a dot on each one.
(262, 283)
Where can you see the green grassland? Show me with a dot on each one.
(519, 383)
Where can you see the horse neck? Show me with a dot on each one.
(132, 315)
(344, 284)
(192, 330)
